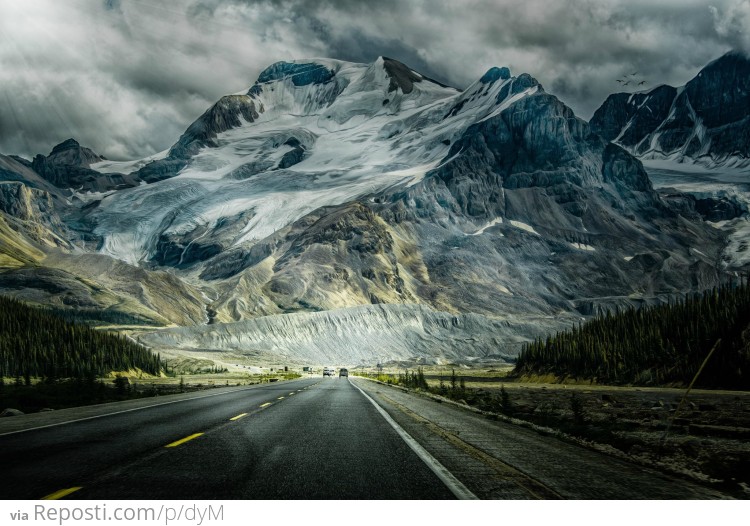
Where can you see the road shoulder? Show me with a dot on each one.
(498, 460)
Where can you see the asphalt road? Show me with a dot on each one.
(313, 438)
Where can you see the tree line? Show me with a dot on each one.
(655, 345)
(38, 342)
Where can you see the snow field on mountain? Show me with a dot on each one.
(358, 139)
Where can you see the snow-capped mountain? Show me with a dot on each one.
(706, 121)
(329, 186)
(306, 135)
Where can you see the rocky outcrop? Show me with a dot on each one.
(301, 74)
(17, 169)
(34, 212)
(184, 251)
(401, 76)
(27, 204)
(707, 120)
(536, 144)
(229, 112)
(70, 153)
(67, 166)
(294, 156)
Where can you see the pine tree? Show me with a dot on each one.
(38, 342)
(660, 344)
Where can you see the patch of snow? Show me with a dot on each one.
(524, 226)
(416, 173)
(126, 167)
(737, 252)
(581, 246)
(492, 223)
(510, 101)
(88, 197)
(674, 165)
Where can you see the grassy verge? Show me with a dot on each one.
(64, 393)
(40, 395)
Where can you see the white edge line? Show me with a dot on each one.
(453, 484)
(125, 411)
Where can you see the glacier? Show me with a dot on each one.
(359, 138)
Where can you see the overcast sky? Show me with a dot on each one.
(126, 77)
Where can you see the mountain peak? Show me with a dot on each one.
(67, 144)
(494, 74)
(402, 76)
(301, 73)
(70, 152)
(704, 121)
(67, 164)
(731, 61)
(734, 54)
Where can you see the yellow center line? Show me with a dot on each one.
(290, 394)
(266, 404)
(62, 493)
(183, 440)
(238, 416)
(280, 398)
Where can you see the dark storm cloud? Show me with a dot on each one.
(126, 77)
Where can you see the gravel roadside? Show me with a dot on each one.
(497, 460)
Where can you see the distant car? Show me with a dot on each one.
(329, 372)
(343, 372)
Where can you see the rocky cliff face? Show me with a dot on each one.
(533, 212)
(707, 120)
(229, 112)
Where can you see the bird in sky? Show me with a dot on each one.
(628, 79)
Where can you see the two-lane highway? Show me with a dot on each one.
(311, 438)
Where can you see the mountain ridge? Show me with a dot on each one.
(332, 185)
(705, 121)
